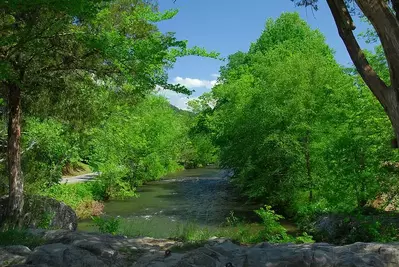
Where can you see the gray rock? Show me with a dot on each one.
(343, 229)
(18, 250)
(85, 249)
(61, 255)
(44, 212)
(98, 248)
(8, 259)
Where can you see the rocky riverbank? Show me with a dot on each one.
(67, 248)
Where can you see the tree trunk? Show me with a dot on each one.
(387, 26)
(16, 200)
(308, 167)
(392, 109)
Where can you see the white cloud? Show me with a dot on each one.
(176, 99)
(181, 100)
(194, 83)
(215, 75)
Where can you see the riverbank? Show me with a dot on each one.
(78, 249)
(196, 204)
(193, 205)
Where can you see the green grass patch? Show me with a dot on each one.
(269, 230)
(20, 237)
(82, 197)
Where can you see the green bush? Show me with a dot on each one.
(82, 197)
(72, 194)
(20, 237)
(46, 219)
(273, 230)
(107, 225)
(232, 220)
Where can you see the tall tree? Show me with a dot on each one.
(47, 44)
(384, 17)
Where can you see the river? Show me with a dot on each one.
(203, 197)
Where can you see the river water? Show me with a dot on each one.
(203, 197)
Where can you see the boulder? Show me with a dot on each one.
(8, 258)
(62, 255)
(44, 212)
(66, 249)
(345, 229)
(18, 250)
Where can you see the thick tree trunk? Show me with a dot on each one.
(387, 27)
(392, 109)
(16, 200)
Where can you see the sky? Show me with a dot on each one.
(228, 26)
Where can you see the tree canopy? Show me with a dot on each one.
(297, 129)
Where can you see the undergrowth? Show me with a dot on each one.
(84, 198)
(20, 237)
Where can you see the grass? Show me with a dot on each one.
(270, 229)
(80, 197)
(20, 237)
(193, 234)
(242, 233)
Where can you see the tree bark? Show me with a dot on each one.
(387, 27)
(395, 6)
(16, 189)
(308, 167)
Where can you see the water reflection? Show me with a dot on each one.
(201, 196)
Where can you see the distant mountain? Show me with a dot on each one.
(182, 111)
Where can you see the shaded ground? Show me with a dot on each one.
(79, 178)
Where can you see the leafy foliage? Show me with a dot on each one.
(88, 71)
(107, 225)
(20, 237)
(299, 131)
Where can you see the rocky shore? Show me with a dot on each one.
(64, 248)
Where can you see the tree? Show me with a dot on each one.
(384, 17)
(46, 45)
(271, 110)
(30, 31)
(298, 130)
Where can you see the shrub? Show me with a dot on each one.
(46, 219)
(273, 230)
(80, 197)
(107, 225)
(232, 220)
(20, 237)
(89, 208)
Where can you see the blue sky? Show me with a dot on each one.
(228, 26)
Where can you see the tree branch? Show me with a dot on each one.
(345, 27)
(386, 25)
(395, 6)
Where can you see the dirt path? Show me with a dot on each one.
(79, 178)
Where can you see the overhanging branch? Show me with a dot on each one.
(345, 27)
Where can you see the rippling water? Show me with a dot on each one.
(201, 196)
